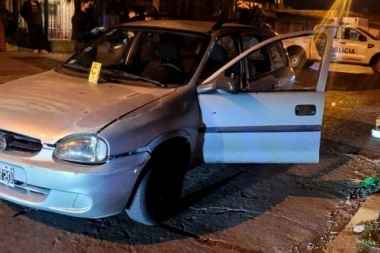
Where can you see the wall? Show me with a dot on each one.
(2, 37)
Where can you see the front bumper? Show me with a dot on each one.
(76, 190)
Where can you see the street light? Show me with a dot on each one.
(344, 7)
(337, 11)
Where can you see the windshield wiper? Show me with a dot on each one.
(103, 78)
(77, 67)
(109, 75)
(132, 76)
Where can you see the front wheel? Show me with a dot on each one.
(157, 195)
(376, 65)
(297, 58)
(138, 209)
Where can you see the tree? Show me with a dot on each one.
(221, 6)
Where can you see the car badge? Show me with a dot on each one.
(3, 143)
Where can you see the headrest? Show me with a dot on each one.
(218, 54)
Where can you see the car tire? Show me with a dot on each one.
(376, 65)
(158, 193)
(297, 58)
(138, 209)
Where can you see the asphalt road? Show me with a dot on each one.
(237, 208)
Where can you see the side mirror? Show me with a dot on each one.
(223, 84)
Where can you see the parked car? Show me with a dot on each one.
(167, 90)
(352, 44)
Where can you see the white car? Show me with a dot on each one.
(351, 45)
(124, 141)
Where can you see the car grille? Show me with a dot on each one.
(22, 143)
(21, 186)
(23, 191)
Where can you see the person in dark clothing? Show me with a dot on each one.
(135, 13)
(84, 27)
(31, 12)
(150, 12)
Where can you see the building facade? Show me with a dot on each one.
(58, 13)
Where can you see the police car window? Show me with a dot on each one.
(350, 34)
(368, 34)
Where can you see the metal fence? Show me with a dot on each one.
(58, 18)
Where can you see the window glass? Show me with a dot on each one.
(267, 68)
(223, 50)
(350, 34)
(278, 56)
(165, 56)
(257, 62)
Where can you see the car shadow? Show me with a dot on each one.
(216, 197)
(339, 81)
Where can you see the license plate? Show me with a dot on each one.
(6, 175)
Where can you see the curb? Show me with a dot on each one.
(345, 242)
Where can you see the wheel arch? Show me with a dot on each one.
(295, 47)
(177, 145)
(374, 58)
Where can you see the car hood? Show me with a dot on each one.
(50, 105)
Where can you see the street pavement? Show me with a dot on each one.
(13, 67)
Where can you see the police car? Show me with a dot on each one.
(352, 44)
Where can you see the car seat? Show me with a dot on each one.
(167, 68)
(216, 59)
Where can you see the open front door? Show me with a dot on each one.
(281, 124)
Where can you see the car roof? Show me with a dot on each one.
(186, 25)
(205, 27)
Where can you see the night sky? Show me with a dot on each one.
(357, 5)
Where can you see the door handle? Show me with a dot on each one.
(305, 110)
(343, 42)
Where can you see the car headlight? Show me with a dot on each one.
(85, 148)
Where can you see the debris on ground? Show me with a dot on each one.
(369, 239)
(368, 186)
(376, 130)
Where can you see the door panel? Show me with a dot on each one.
(261, 127)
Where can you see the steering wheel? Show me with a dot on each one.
(173, 66)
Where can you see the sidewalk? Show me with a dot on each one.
(14, 65)
(55, 56)
(345, 242)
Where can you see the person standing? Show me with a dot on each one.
(84, 27)
(150, 12)
(135, 13)
(31, 12)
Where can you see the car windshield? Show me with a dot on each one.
(145, 55)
